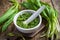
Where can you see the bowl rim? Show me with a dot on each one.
(20, 13)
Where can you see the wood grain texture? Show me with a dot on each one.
(4, 5)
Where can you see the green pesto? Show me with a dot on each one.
(24, 17)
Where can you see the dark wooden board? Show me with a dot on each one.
(4, 5)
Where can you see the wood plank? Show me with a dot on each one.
(12, 27)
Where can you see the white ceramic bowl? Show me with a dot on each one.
(23, 30)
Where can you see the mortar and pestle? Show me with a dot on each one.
(32, 31)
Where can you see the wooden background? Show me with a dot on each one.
(5, 4)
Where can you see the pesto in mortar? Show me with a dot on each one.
(24, 17)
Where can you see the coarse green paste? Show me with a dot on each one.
(24, 17)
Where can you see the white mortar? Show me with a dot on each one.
(30, 30)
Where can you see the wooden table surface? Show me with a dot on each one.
(4, 5)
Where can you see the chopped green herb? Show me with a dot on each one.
(24, 17)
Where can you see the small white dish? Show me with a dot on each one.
(30, 30)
